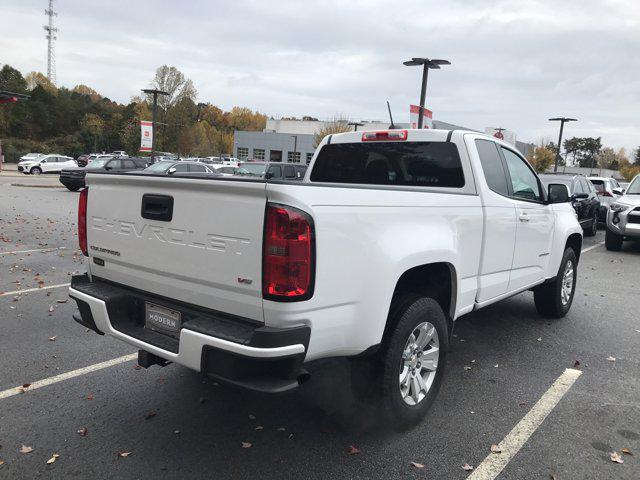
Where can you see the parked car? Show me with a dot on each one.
(119, 153)
(74, 178)
(582, 196)
(169, 168)
(225, 170)
(230, 161)
(623, 217)
(391, 237)
(52, 163)
(624, 186)
(272, 171)
(83, 160)
(30, 156)
(608, 190)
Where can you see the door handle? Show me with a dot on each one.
(524, 217)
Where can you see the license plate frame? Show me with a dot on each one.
(162, 319)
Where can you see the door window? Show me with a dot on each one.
(523, 181)
(275, 171)
(115, 164)
(584, 184)
(181, 167)
(492, 166)
(128, 164)
(197, 168)
(289, 171)
(577, 187)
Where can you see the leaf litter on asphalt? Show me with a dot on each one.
(26, 449)
(467, 467)
(417, 465)
(353, 450)
(615, 457)
(53, 458)
(495, 449)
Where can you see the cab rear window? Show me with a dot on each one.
(423, 164)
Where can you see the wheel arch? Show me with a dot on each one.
(574, 241)
(437, 280)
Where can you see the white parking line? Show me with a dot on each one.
(27, 290)
(53, 249)
(585, 250)
(493, 464)
(66, 376)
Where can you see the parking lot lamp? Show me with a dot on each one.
(155, 93)
(426, 65)
(562, 121)
(355, 125)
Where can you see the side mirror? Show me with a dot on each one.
(107, 167)
(43, 161)
(558, 193)
(581, 196)
(268, 175)
(172, 170)
(618, 191)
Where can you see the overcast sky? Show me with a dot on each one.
(514, 63)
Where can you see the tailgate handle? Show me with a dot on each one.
(157, 207)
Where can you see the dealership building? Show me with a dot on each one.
(293, 140)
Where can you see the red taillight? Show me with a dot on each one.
(82, 221)
(390, 135)
(288, 254)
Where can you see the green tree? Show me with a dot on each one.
(94, 125)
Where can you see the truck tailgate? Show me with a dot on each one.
(207, 252)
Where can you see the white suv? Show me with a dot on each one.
(52, 163)
(608, 190)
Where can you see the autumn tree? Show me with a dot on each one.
(338, 125)
(542, 158)
(94, 125)
(35, 79)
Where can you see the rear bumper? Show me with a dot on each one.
(230, 349)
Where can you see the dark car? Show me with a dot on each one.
(180, 167)
(73, 178)
(272, 171)
(583, 198)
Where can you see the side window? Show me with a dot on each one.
(289, 171)
(578, 187)
(584, 184)
(115, 164)
(275, 171)
(128, 164)
(181, 167)
(523, 181)
(197, 168)
(492, 166)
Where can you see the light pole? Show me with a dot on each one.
(562, 121)
(355, 125)
(155, 93)
(426, 65)
(295, 147)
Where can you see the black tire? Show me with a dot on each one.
(375, 379)
(73, 189)
(613, 241)
(593, 227)
(35, 171)
(548, 297)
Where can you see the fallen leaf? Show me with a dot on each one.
(137, 367)
(576, 364)
(53, 339)
(626, 451)
(26, 385)
(26, 449)
(417, 465)
(82, 432)
(62, 301)
(259, 427)
(124, 454)
(552, 476)
(90, 396)
(523, 404)
(51, 308)
(252, 417)
(467, 467)
(281, 429)
(467, 367)
(611, 359)
(615, 457)
(151, 414)
(52, 459)
(246, 445)
(539, 339)
(1, 462)
(353, 450)
(495, 449)
(496, 365)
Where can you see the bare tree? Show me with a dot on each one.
(337, 125)
(171, 80)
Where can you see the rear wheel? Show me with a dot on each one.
(553, 299)
(613, 241)
(36, 171)
(404, 377)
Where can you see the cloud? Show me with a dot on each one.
(514, 64)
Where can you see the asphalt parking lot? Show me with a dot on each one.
(175, 424)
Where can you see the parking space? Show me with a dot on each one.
(172, 423)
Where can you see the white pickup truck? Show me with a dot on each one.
(389, 239)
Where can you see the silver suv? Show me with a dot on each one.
(623, 217)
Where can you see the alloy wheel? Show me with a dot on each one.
(419, 363)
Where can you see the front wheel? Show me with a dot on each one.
(553, 299)
(404, 377)
(613, 241)
(36, 171)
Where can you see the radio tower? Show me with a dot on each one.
(51, 38)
